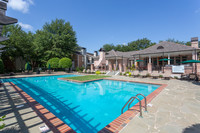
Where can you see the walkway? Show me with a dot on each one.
(22, 119)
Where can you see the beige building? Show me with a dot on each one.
(165, 57)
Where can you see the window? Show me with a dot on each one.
(184, 58)
(160, 47)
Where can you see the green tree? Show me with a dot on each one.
(108, 47)
(54, 63)
(1, 66)
(19, 43)
(131, 46)
(65, 63)
(61, 40)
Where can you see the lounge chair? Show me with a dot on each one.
(192, 76)
(143, 74)
(155, 75)
(167, 76)
(136, 74)
(184, 77)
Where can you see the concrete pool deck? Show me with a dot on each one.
(176, 109)
(22, 119)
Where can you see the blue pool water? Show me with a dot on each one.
(85, 107)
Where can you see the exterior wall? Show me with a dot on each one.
(78, 61)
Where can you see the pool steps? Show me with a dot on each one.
(132, 99)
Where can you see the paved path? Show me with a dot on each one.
(18, 120)
(175, 110)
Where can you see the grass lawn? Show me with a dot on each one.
(87, 77)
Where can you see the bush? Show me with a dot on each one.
(175, 77)
(148, 75)
(120, 73)
(129, 74)
(77, 69)
(98, 72)
(65, 63)
(133, 67)
(54, 62)
(1, 66)
(160, 76)
(82, 68)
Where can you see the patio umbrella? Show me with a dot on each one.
(192, 61)
(164, 59)
(139, 60)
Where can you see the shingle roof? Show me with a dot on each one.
(165, 47)
(114, 53)
(4, 20)
(158, 48)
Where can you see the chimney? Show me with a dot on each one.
(95, 53)
(83, 51)
(102, 53)
(195, 42)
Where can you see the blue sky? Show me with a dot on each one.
(98, 22)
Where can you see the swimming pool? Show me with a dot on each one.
(85, 107)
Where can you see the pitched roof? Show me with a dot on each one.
(165, 47)
(4, 20)
(114, 53)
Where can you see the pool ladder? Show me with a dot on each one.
(140, 104)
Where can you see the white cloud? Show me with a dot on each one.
(20, 5)
(197, 11)
(26, 26)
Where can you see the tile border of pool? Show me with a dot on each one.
(77, 81)
(53, 122)
(56, 125)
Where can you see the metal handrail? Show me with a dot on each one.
(129, 101)
(145, 106)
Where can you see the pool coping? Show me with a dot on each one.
(53, 122)
(114, 127)
(77, 81)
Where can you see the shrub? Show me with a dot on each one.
(98, 72)
(129, 74)
(133, 67)
(82, 68)
(160, 76)
(175, 77)
(1, 66)
(54, 62)
(120, 73)
(148, 75)
(77, 69)
(2, 119)
(65, 63)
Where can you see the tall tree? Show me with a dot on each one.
(18, 45)
(131, 46)
(62, 40)
(108, 47)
